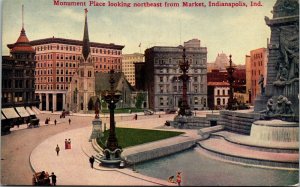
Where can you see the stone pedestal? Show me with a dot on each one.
(260, 103)
(189, 122)
(97, 129)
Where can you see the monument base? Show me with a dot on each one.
(97, 129)
(260, 103)
(111, 159)
(189, 122)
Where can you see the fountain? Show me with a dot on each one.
(269, 135)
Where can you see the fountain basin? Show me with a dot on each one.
(275, 130)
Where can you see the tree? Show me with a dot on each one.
(140, 98)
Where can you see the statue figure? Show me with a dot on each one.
(284, 8)
(97, 110)
(280, 107)
(261, 83)
(278, 110)
(289, 48)
(289, 109)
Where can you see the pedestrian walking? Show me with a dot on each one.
(178, 178)
(53, 179)
(57, 149)
(69, 121)
(55, 122)
(92, 160)
(69, 143)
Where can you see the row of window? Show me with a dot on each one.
(177, 61)
(17, 83)
(75, 58)
(223, 91)
(254, 72)
(196, 101)
(179, 89)
(50, 87)
(259, 63)
(77, 48)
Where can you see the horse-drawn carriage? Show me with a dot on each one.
(34, 123)
(41, 179)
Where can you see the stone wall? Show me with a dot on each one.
(159, 152)
(238, 122)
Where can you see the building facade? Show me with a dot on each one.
(218, 95)
(18, 92)
(57, 61)
(128, 67)
(248, 77)
(258, 63)
(162, 76)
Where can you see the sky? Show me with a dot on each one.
(234, 31)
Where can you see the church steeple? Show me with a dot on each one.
(86, 42)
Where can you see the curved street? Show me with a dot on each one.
(17, 146)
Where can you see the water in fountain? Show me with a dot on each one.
(275, 130)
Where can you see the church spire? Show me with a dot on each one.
(86, 42)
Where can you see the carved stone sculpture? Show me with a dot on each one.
(282, 108)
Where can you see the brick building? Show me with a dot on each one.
(258, 63)
(57, 61)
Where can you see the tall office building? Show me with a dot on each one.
(128, 67)
(162, 76)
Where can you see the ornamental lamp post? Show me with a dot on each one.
(230, 69)
(184, 66)
(111, 97)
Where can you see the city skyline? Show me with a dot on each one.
(233, 31)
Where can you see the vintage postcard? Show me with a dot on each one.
(150, 93)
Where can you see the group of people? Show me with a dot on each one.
(43, 179)
(68, 143)
(178, 179)
(56, 121)
(67, 146)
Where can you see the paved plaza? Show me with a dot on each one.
(26, 149)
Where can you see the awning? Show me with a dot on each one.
(22, 112)
(2, 116)
(28, 109)
(10, 113)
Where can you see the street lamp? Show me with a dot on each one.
(230, 69)
(184, 66)
(112, 150)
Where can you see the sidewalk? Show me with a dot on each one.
(72, 166)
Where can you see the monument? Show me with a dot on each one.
(97, 124)
(112, 151)
(283, 63)
(273, 127)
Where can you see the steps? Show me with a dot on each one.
(226, 150)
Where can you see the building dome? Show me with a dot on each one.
(22, 44)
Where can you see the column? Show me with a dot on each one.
(64, 100)
(54, 101)
(47, 102)
(41, 101)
